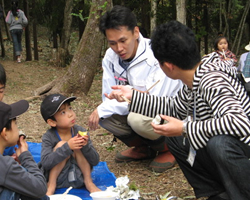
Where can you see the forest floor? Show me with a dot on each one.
(23, 78)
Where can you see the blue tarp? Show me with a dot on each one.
(101, 175)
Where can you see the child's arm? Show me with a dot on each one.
(50, 158)
(29, 181)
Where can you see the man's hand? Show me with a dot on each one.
(172, 128)
(119, 92)
(93, 120)
(22, 146)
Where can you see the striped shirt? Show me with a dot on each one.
(220, 102)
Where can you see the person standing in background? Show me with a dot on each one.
(17, 21)
(244, 63)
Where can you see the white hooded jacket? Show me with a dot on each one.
(141, 74)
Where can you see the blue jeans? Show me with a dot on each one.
(16, 35)
(10, 195)
(223, 166)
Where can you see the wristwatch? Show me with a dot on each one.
(184, 129)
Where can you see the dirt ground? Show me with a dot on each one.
(23, 78)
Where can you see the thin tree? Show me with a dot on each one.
(181, 11)
(153, 16)
(239, 33)
(27, 32)
(86, 60)
(63, 52)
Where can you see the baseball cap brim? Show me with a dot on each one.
(18, 108)
(69, 99)
(247, 47)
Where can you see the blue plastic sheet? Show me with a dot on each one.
(101, 175)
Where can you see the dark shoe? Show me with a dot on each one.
(162, 162)
(135, 154)
(221, 196)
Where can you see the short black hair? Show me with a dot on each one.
(217, 40)
(8, 125)
(175, 43)
(2, 75)
(116, 17)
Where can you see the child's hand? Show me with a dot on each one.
(77, 142)
(22, 146)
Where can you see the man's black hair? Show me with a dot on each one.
(175, 43)
(116, 17)
(2, 75)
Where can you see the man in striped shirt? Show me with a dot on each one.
(208, 129)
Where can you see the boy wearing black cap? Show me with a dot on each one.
(17, 181)
(67, 157)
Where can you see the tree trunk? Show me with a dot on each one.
(181, 11)
(241, 26)
(34, 31)
(2, 45)
(63, 52)
(153, 16)
(5, 24)
(81, 72)
(206, 25)
(27, 32)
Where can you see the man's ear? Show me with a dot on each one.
(168, 65)
(4, 134)
(136, 32)
(51, 122)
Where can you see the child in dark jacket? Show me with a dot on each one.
(67, 155)
(19, 180)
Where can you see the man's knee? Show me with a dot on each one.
(142, 126)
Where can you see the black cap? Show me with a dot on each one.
(8, 112)
(52, 103)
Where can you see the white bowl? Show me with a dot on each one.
(64, 197)
(103, 195)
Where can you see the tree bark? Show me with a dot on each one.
(63, 52)
(34, 31)
(181, 11)
(153, 16)
(82, 69)
(27, 32)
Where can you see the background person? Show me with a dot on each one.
(221, 44)
(130, 61)
(17, 21)
(212, 147)
(244, 63)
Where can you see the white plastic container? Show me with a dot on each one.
(104, 195)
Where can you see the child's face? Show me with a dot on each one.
(222, 44)
(65, 116)
(13, 134)
(2, 88)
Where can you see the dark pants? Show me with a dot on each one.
(16, 35)
(223, 166)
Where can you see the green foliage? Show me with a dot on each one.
(132, 186)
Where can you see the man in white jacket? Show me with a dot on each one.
(130, 61)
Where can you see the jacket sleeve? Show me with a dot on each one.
(27, 179)
(50, 158)
(24, 20)
(8, 18)
(109, 107)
